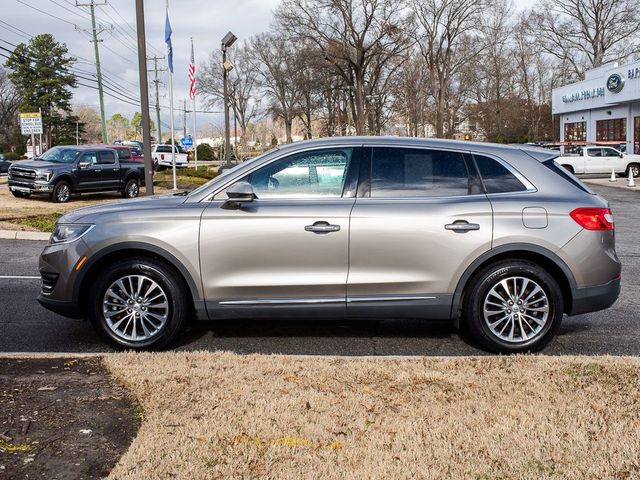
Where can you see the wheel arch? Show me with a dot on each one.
(129, 250)
(65, 177)
(518, 251)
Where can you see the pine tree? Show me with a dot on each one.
(41, 73)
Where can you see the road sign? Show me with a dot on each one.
(31, 123)
(187, 142)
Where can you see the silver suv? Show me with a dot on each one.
(498, 239)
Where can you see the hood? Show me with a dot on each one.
(86, 214)
(40, 164)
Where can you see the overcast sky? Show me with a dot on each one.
(205, 20)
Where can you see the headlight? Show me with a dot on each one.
(69, 232)
(45, 176)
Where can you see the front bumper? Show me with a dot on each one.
(592, 299)
(66, 309)
(25, 187)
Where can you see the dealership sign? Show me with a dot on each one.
(615, 83)
(584, 95)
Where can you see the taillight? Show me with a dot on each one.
(593, 218)
(162, 156)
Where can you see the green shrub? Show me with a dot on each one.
(205, 152)
(11, 156)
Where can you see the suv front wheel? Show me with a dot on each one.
(139, 303)
(513, 306)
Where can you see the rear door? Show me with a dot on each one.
(594, 161)
(417, 224)
(90, 175)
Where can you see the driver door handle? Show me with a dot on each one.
(462, 226)
(322, 227)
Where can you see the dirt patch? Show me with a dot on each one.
(62, 419)
(220, 415)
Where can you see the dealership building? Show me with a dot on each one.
(604, 107)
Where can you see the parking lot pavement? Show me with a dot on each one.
(27, 327)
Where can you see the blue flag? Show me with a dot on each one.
(167, 38)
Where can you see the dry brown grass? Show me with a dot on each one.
(220, 415)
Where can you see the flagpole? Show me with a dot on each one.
(194, 134)
(167, 35)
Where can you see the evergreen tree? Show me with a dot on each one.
(41, 73)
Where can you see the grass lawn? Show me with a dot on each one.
(41, 223)
(221, 415)
(186, 178)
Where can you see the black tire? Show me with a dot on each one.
(635, 168)
(479, 290)
(131, 188)
(61, 192)
(171, 285)
(20, 194)
(569, 168)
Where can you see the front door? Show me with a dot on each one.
(289, 247)
(417, 225)
(90, 175)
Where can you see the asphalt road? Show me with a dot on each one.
(27, 327)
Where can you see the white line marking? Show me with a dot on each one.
(19, 277)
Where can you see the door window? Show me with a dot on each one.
(496, 177)
(594, 152)
(610, 152)
(106, 157)
(90, 157)
(409, 172)
(320, 173)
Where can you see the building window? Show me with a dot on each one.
(636, 135)
(575, 132)
(613, 130)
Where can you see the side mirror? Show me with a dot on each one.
(239, 193)
(83, 165)
(621, 155)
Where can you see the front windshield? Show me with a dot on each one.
(226, 173)
(60, 155)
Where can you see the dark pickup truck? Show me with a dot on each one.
(63, 170)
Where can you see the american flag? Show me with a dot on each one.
(192, 75)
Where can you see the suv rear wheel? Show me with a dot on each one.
(513, 306)
(138, 303)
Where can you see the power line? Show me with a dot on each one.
(46, 13)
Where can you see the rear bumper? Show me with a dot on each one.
(592, 299)
(66, 309)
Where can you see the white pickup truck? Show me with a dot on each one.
(161, 155)
(600, 160)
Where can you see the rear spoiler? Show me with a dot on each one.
(540, 154)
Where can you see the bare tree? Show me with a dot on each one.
(243, 81)
(9, 108)
(350, 35)
(588, 33)
(442, 26)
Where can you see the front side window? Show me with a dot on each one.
(90, 157)
(610, 152)
(413, 172)
(319, 173)
(496, 177)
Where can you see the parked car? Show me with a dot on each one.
(4, 164)
(601, 160)
(491, 237)
(163, 158)
(65, 170)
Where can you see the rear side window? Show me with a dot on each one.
(414, 172)
(557, 168)
(496, 177)
(123, 154)
(106, 156)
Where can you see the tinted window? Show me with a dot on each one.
(123, 153)
(106, 156)
(610, 152)
(496, 177)
(556, 167)
(164, 149)
(320, 173)
(594, 152)
(409, 172)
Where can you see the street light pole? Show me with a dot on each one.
(228, 40)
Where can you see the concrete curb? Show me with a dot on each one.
(19, 235)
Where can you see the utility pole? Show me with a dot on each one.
(228, 40)
(157, 85)
(144, 97)
(95, 31)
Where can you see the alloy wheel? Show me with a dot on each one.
(135, 308)
(63, 193)
(516, 309)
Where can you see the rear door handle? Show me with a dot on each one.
(322, 227)
(462, 226)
